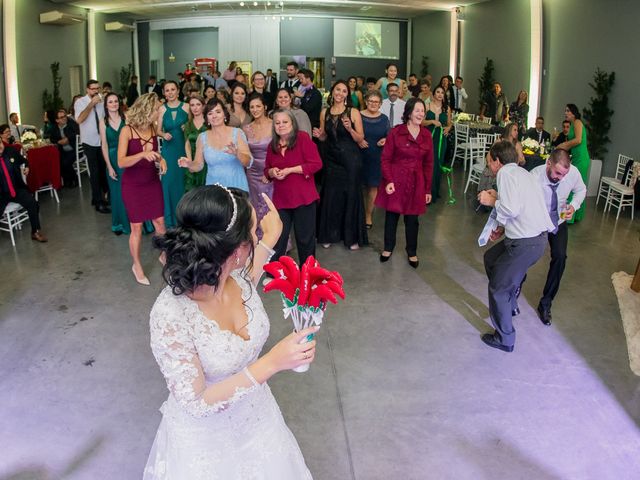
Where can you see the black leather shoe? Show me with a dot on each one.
(384, 258)
(544, 314)
(102, 209)
(413, 263)
(515, 312)
(492, 341)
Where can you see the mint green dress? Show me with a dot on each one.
(439, 150)
(194, 179)
(119, 219)
(580, 159)
(173, 181)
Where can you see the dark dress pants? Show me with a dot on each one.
(558, 243)
(67, 159)
(506, 264)
(24, 198)
(98, 171)
(303, 220)
(411, 227)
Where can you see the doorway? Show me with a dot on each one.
(76, 80)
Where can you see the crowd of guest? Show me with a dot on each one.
(326, 163)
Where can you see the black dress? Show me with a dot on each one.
(341, 216)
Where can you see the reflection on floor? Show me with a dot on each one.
(402, 388)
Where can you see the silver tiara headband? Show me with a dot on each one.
(234, 215)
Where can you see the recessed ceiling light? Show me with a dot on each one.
(242, 4)
(255, 4)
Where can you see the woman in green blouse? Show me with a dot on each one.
(192, 129)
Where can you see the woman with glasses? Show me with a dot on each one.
(376, 126)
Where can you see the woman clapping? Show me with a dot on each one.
(292, 159)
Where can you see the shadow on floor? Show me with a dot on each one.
(76, 464)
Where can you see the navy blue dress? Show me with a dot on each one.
(374, 130)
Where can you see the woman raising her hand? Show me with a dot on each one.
(208, 327)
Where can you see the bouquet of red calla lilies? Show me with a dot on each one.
(305, 291)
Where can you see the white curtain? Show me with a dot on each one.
(256, 40)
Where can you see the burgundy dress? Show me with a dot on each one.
(406, 162)
(141, 187)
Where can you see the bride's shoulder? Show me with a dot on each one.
(169, 308)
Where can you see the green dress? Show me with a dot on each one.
(580, 159)
(194, 179)
(173, 181)
(439, 150)
(119, 219)
(355, 101)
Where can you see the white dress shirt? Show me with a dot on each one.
(460, 98)
(521, 207)
(398, 110)
(89, 128)
(572, 182)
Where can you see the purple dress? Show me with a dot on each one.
(141, 187)
(255, 174)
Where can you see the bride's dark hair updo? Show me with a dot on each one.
(199, 246)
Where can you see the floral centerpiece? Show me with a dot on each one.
(28, 137)
(305, 292)
(463, 117)
(530, 146)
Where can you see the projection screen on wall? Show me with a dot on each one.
(366, 38)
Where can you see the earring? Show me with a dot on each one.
(237, 260)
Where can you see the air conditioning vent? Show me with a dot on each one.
(118, 27)
(55, 17)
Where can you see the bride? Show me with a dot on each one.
(208, 327)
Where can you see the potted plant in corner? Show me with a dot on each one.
(597, 120)
(485, 82)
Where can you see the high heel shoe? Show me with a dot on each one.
(413, 263)
(142, 281)
(384, 258)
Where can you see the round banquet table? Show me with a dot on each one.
(44, 167)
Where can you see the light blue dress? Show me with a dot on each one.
(222, 167)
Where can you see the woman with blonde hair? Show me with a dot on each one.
(141, 188)
(519, 110)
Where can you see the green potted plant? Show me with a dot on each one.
(125, 79)
(424, 71)
(52, 101)
(486, 81)
(597, 120)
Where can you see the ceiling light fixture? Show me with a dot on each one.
(242, 4)
(255, 4)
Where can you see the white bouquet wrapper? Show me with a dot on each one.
(302, 317)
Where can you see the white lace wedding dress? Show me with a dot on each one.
(240, 437)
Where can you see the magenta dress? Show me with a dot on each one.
(141, 187)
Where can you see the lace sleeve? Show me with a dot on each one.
(173, 349)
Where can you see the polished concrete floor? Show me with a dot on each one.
(402, 388)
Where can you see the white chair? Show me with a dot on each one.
(461, 150)
(622, 195)
(45, 188)
(48, 188)
(477, 155)
(81, 165)
(12, 219)
(606, 182)
(485, 120)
